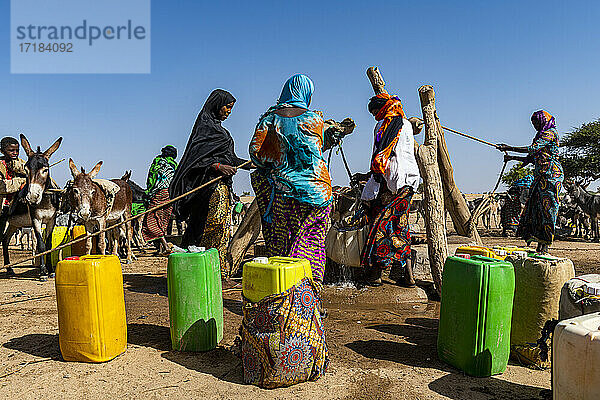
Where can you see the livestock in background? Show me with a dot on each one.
(589, 204)
(139, 195)
(34, 206)
(99, 203)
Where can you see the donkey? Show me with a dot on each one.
(139, 196)
(589, 203)
(33, 206)
(92, 204)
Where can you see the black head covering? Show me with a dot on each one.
(209, 143)
(375, 103)
(168, 151)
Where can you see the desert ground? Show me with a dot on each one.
(382, 344)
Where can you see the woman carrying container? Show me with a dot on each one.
(209, 154)
(292, 183)
(538, 219)
(389, 190)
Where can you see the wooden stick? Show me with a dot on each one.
(376, 80)
(82, 238)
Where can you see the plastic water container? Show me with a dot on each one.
(475, 314)
(592, 288)
(195, 300)
(538, 284)
(575, 358)
(479, 251)
(266, 276)
(575, 299)
(60, 236)
(514, 249)
(91, 308)
(78, 249)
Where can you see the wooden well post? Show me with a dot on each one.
(433, 192)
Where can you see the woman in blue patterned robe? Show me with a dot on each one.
(538, 219)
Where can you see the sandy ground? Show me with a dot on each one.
(382, 345)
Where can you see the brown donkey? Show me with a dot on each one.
(101, 203)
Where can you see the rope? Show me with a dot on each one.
(58, 162)
(345, 162)
(82, 238)
(480, 141)
(465, 135)
(500, 177)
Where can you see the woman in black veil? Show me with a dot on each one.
(209, 154)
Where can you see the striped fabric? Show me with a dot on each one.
(155, 223)
(296, 229)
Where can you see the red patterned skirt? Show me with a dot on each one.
(155, 223)
(389, 236)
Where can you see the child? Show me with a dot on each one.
(12, 175)
(12, 169)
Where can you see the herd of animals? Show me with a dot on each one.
(88, 201)
(94, 203)
(85, 200)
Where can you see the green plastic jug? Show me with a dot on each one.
(475, 314)
(195, 300)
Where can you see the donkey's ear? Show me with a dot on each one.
(52, 148)
(26, 145)
(95, 170)
(73, 168)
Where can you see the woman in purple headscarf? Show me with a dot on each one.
(539, 216)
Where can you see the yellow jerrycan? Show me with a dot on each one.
(91, 308)
(480, 251)
(266, 276)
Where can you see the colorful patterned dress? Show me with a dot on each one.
(283, 340)
(389, 236)
(510, 213)
(538, 220)
(160, 175)
(292, 186)
(395, 177)
(218, 225)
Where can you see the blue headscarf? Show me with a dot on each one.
(297, 91)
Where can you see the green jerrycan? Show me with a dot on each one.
(475, 314)
(195, 300)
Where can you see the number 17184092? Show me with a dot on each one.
(46, 47)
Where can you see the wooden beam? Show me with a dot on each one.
(376, 80)
(433, 193)
(453, 198)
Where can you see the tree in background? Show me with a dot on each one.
(580, 157)
(516, 172)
